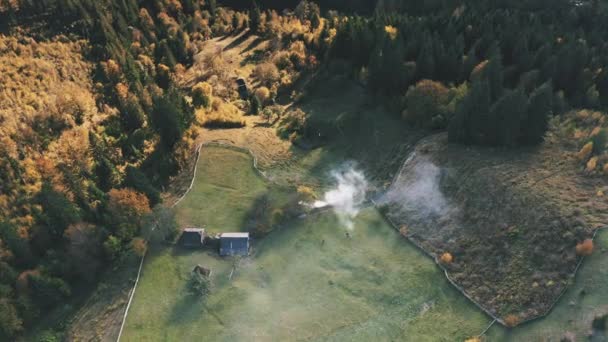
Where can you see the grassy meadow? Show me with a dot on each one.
(307, 280)
(225, 187)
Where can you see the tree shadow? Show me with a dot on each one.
(188, 309)
(238, 41)
(252, 45)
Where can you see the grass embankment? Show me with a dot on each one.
(305, 281)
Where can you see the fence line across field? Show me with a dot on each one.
(198, 155)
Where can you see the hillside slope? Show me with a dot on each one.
(511, 220)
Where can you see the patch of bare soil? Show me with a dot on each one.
(510, 220)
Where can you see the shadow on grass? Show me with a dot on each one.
(252, 45)
(187, 310)
(237, 41)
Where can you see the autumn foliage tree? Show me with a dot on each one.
(426, 104)
(126, 210)
(584, 248)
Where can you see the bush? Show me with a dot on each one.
(511, 320)
(199, 285)
(585, 152)
(292, 124)
(139, 246)
(112, 247)
(225, 115)
(263, 94)
(201, 94)
(599, 141)
(306, 194)
(446, 258)
(425, 102)
(267, 73)
(584, 248)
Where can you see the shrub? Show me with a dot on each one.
(112, 247)
(277, 217)
(292, 124)
(201, 94)
(404, 231)
(585, 152)
(306, 194)
(599, 140)
(446, 258)
(591, 164)
(225, 115)
(511, 320)
(263, 94)
(139, 246)
(199, 285)
(425, 101)
(267, 73)
(584, 248)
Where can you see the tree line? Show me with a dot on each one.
(521, 62)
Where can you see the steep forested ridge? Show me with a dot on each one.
(93, 126)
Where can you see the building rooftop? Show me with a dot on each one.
(194, 230)
(234, 235)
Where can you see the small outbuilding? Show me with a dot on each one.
(242, 88)
(192, 237)
(234, 244)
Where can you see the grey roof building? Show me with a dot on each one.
(234, 244)
(192, 237)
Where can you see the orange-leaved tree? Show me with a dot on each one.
(125, 212)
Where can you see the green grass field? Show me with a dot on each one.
(224, 189)
(304, 281)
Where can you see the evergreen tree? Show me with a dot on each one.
(539, 111)
(106, 173)
(255, 18)
(58, 212)
(139, 181)
(507, 114)
(471, 120)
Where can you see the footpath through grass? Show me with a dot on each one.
(307, 280)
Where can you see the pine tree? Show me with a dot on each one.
(255, 18)
(507, 114)
(539, 111)
(471, 121)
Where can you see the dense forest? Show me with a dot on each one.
(80, 176)
(79, 182)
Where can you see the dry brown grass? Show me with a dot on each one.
(220, 115)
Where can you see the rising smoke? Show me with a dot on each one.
(348, 195)
(416, 190)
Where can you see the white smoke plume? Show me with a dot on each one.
(417, 189)
(347, 197)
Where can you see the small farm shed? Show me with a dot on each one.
(242, 88)
(234, 244)
(192, 237)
